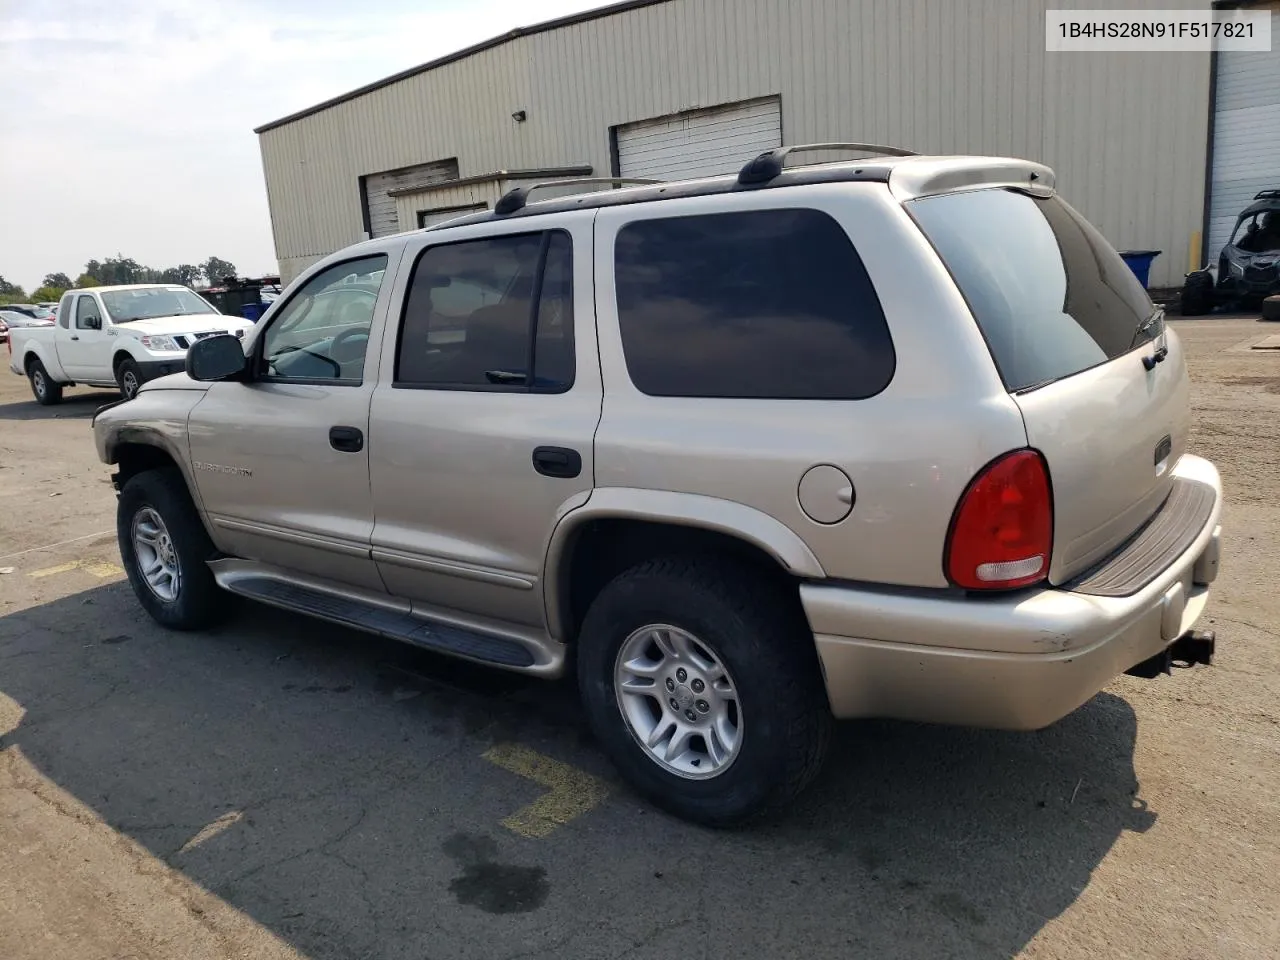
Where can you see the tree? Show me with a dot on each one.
(8, 289)
(47, 294)
(59, 281)
(184, 273)
(215, 269)
(87, 280)
(120, 269)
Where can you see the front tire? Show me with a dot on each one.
(701, 681)
(128, 378)
(166, 550)
(46, 391)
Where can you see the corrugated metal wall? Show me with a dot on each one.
(1124, 132)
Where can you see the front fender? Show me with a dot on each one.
(156, 419)
(684, 509)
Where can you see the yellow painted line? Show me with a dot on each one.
(54, 571)
(103, 570)
(97, 568)
(571, 792)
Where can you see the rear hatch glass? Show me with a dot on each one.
(1069, 328)
(1050, 294)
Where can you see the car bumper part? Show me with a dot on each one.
(1017, 661)
(154, 369)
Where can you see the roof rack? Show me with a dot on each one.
(769, 164)
(1267, 195)
(516, 198)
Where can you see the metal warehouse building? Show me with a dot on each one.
(1159, 150)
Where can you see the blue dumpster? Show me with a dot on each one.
(251, 311)
(1139, 262)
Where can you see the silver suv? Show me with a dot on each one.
(901, 437)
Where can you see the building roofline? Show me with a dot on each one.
(599, 13)
(536, 174)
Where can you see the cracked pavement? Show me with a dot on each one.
(285, 788)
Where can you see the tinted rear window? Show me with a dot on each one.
(1051, 295)
(758, 304)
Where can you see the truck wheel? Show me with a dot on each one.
(1197, 295)
(46, 391)
(165, 550)
(129, 378)
(703, 685)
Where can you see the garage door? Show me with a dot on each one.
(701, 143)
(1246, 134)
(380, 206)
(429, 218)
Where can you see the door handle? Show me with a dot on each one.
(557, 462)
(346, 439)
(75, 338)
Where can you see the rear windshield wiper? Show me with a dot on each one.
(1157, 316)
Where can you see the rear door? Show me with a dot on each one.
(473, 461)
(1101, 384)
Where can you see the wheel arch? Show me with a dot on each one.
(134, 449)
(618, 527)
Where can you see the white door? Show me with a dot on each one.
(85, 351)
(1246, 135)
(379, 187)
(702, 143)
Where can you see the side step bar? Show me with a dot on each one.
(389, 617)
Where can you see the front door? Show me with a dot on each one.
(85, 352)
(282, 460)
(484, 439)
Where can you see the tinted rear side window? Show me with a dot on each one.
(759, 304)
(1051, 295)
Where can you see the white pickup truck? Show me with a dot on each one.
(118, 336)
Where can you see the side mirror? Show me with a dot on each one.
(93, 323)
(216, 358)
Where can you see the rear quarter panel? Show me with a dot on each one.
(910, 451)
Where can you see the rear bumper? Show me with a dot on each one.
(1019, 661)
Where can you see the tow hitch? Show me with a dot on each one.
(1194, 646)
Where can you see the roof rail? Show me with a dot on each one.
(516, 198)
(769, 164)
(1267, 195)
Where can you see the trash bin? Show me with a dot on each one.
(1139, 262)
(251, 311)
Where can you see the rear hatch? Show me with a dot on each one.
(1073, 334)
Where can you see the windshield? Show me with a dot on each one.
(1259, 233)
(1051, 296)
(149, 302)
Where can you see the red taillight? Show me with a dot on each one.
(1002, 531)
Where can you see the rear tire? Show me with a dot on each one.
(1197, 295)
(128, 378)
(43, 387)
(166, 549)
(742, 641)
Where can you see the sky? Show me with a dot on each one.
(128, 124)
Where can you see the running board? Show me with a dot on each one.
(389, 617)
